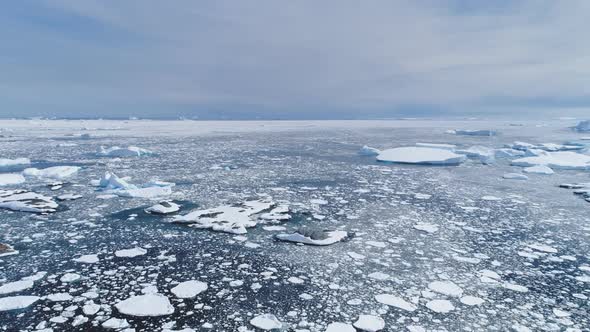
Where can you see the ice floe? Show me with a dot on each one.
(340, 327)
(421, 155)
(9, 179)
(146, 305)
(556, 160)
(16, 286)
(130, 151)
(583, 126)
(369, 323)
(440, 306)
(129, 253)
(448, 288)
(120, 187)
(449, 147)
(368, 151)
(266, 322)
(475, 132)
(9, 165)
(189, 289)
(26, 201)
(233, 218)
(395, 301)
(515, 176)
(539, 169)
(52, 173)
(484, 154)
(313, 236)
(165, 207)
(87, 259)
(17, 302)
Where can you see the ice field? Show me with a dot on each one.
(407, 225)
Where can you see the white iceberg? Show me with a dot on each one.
(8, 165)
(420, 155)
(130, 151)
(8, 179)
(26, 201)
(150, 305)
(129, 253)
(266, 322)
(484, 154)
(53, 173)
(368, 151)
(313, 237)
(165, 207)
(583, 126)
(539, 169)
(559, 160)
(189, 289)
(118, 186)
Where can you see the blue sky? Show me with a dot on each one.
(294, 59)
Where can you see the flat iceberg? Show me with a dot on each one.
(165, 207)
(53, 173)
(151, 305)
(8, 165)
(368, 151)
(11, 179)
(130, 151)
(421, 155)
(26, 201)
(484, 154)
(314, 237)
(189, 289)
(559, 160)
(17, 302)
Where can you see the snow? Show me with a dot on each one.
(440, 306)
(16, 286)
(583, 126)
(133, 252)
(8, 179)
(421, 155)
(26, 201)
(232, 219)
(115, 151)
(88, 259)
(340, 327)
(52, 173)
(17, 302)
(539, 169)
(394, 301)
(369, 323)
(266, 322)
(146, 305)
(165, 207)
(556, 160)
(189, 289)
(515, 176)
(369, 151)
(321, 238)
(448, 288)
(7, 165)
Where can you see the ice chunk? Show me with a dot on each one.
(515, 176)
(8, 165)
(53, 173)
(419, 155)
(448, 288)
(583, 126)
(426, 227)
(146, 305)
(88, 259)
(484, 154)
(369, 323)
(165, 207)
(394, 301)
(560, 159)
(118, 186)
(115, 323)
(340, 327)
(16, 286)
(112, 181)
(232, 219)
(11, 179)
(314, 237)
(130, 151)
(508, 153)
(440, 306)
(26, 201)
(539, 169)
(189, 289)
(472, 300)
(68, 197)
(133, 252)
(266, 322)
(17, 302)
(369, 151)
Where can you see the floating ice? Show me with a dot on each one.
(368, 151)
(560, 159)
(448, 288)
(133, 252)
(232, 219)
(115, 323)
(484, 154)
(340, 327)
(70, 277)
(420, 155)
(118, 186)
(16, 286)
(8, 165)
(53, 173)
(17, 302)
(472, 300)
(426, 227)
(583, 126)
(394, 301)
(474, 132)
(26, 201)
(314, 237)
(7, 250)
(115, 151)
(515, 176)
(11, 179)
(266, 322)
(189, 289)
(68, 197)
(440, 306)
(369, 323)
(165, 207)
(449, 147)
(146, 305)
(539, 169)
(88, 259)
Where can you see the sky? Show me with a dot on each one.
(294, 59)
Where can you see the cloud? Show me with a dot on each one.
(292, 58)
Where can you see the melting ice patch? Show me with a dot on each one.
(26, 201)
